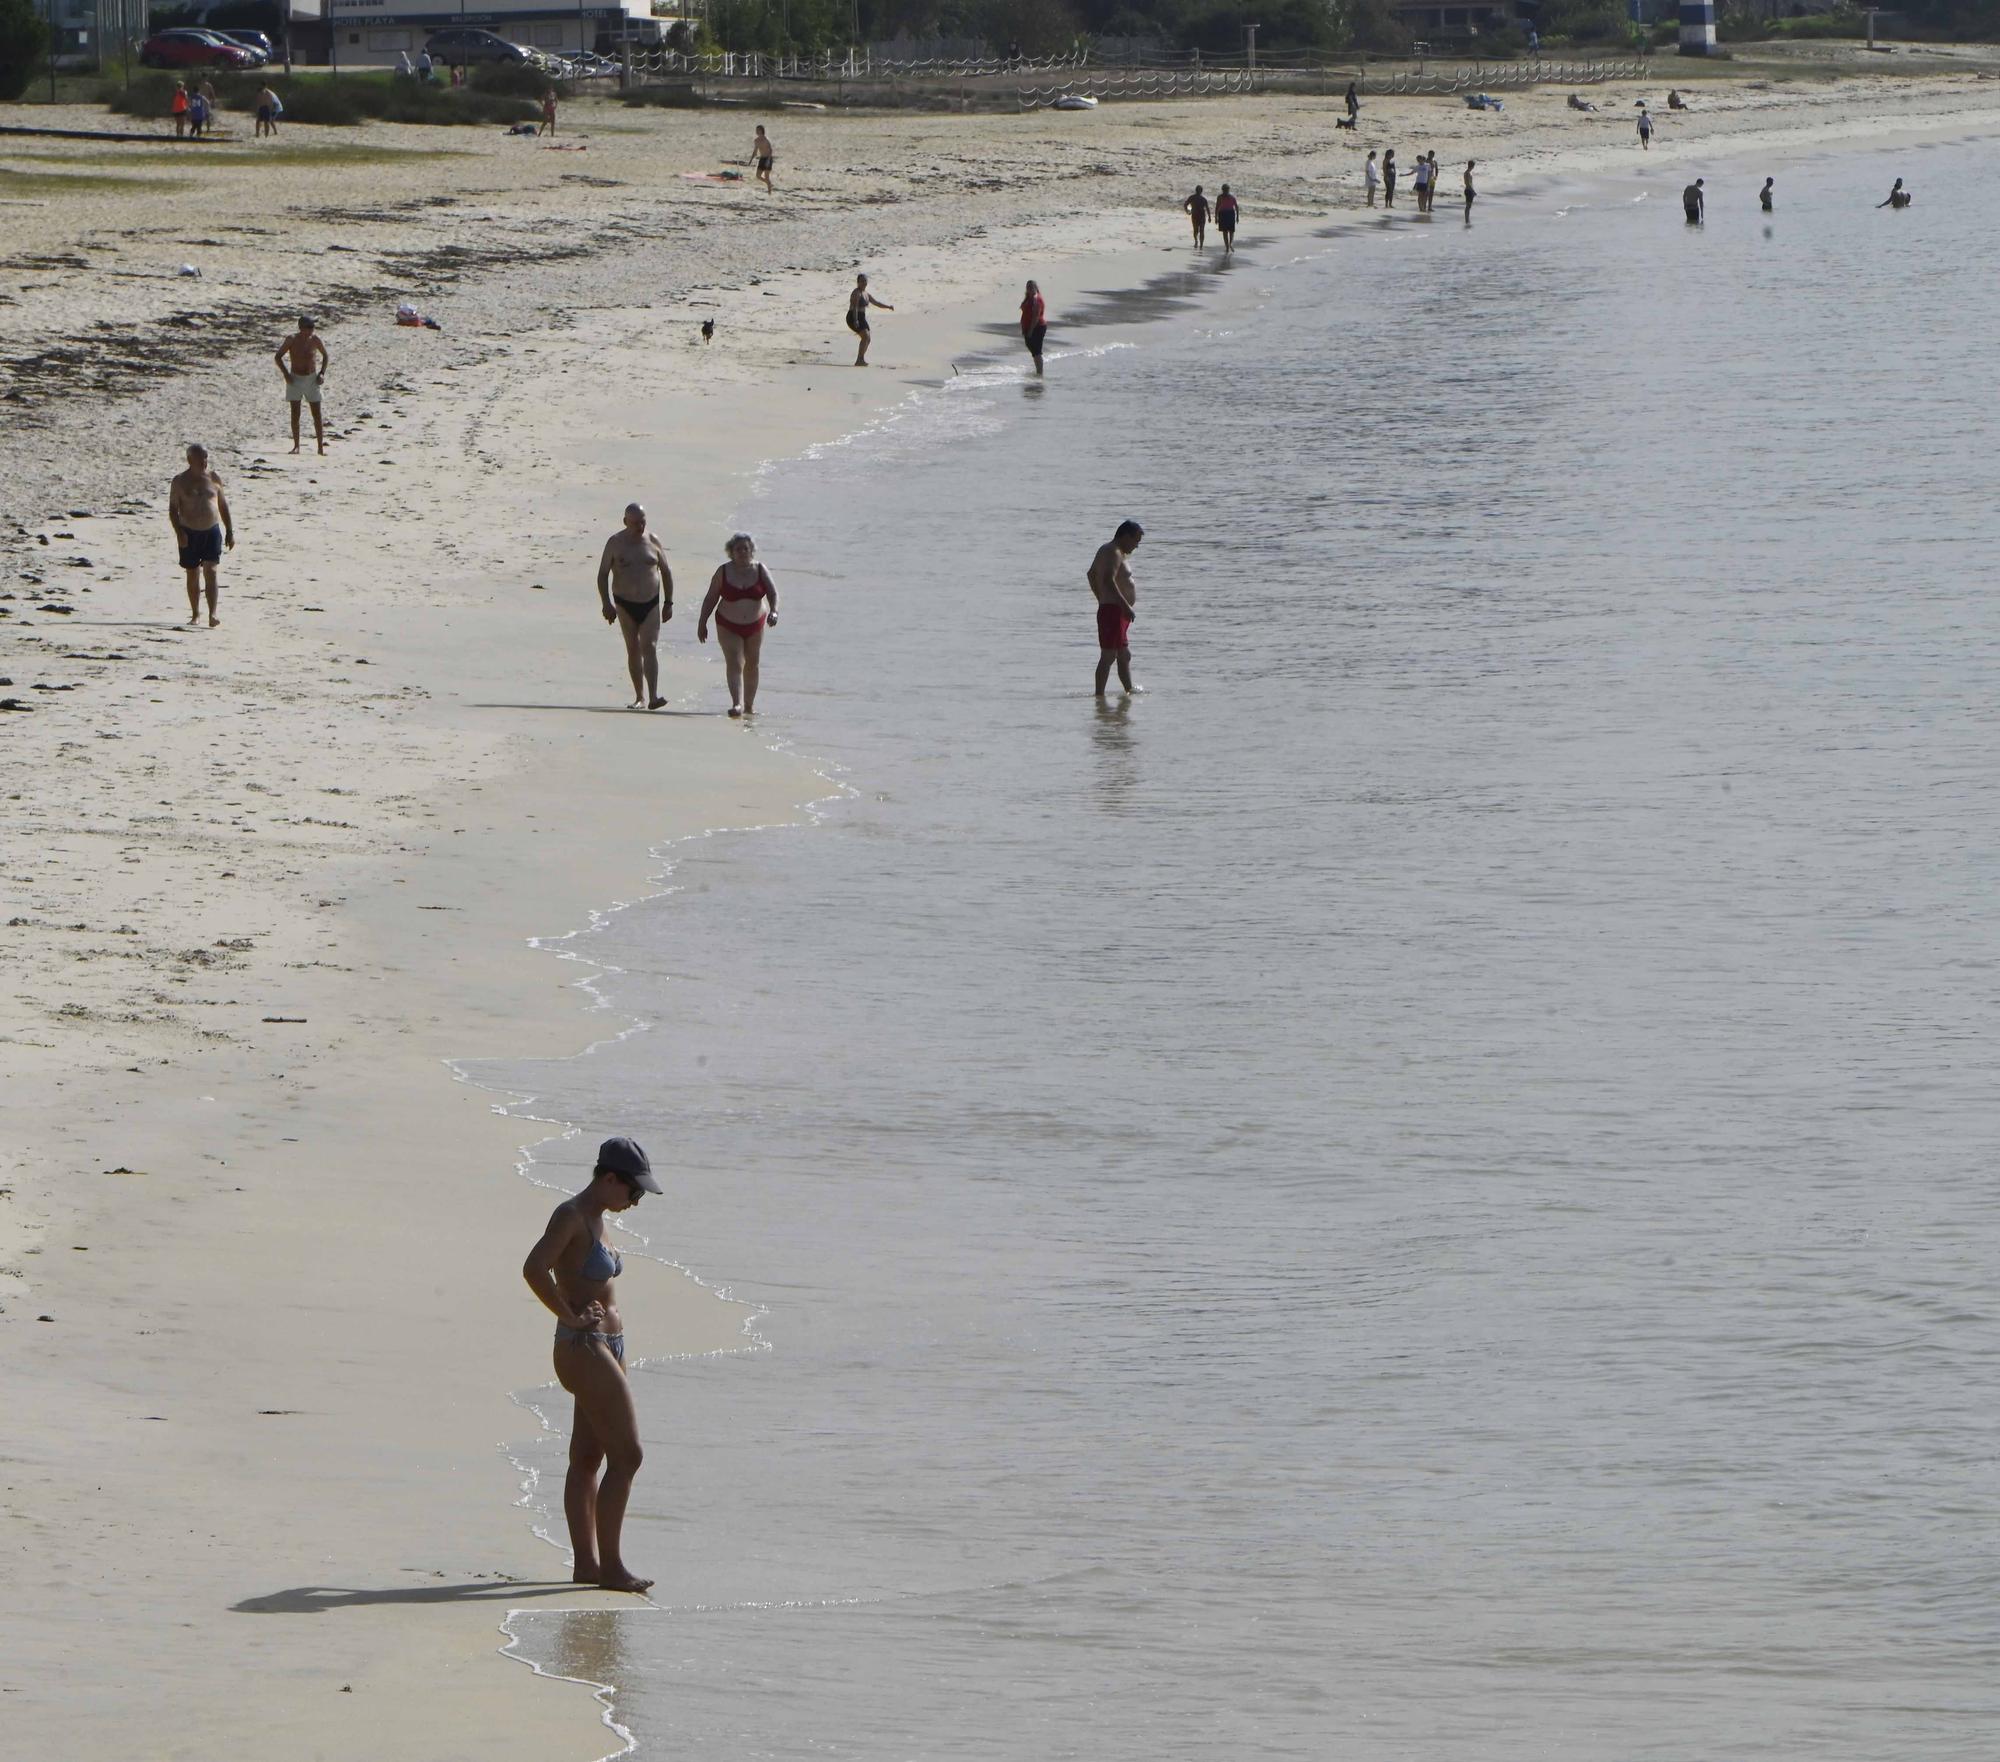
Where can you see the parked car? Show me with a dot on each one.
(192, 48)
(467, 46)
(255, 40)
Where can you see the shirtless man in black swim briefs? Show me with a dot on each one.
(636, 589)
(858, 302)
(199, 514)
(1196, 209)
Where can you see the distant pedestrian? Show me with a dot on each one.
(1389, 178)
(1764, 195)
(1034, 324)
(179, 105)
(1372, 173)
(198, 511)
(743, 585)
(1471, 195)
(1116, 594)
(197, 116)
(424, 66)
(763, 155)
(635, 591)
(1693, 203)
(548, 114)
(1353, 103)
(1225, 219)
(1645, 128)
(1196, 209)
(302, 363)
(858, 303)
(1420, 182)
(267, 111)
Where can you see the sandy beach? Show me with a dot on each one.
(258, 1240)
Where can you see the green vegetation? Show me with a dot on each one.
(23, 40)
(1741, 27)
(72, 183)
(348, 99)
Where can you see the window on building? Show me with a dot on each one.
(548, 36)
(390, 41)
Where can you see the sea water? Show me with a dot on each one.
(1425, 1189)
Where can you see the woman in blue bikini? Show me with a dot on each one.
(570, 1271)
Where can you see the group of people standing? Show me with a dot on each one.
(194, 107)
(1425, 179)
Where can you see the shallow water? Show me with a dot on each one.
(1424, 1190)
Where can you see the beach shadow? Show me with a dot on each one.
(318, 1599)
(125, 624)
(594, 710)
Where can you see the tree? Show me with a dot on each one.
(24, 39)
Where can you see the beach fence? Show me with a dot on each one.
(864, 76)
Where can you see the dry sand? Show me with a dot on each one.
(259, 1303)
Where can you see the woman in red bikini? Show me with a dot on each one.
(734, 602)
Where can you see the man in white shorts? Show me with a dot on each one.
(302, 359)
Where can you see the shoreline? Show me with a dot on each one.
(339, 1250)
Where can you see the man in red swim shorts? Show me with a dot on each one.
(1111, 581)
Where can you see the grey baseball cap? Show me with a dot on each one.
(623, 1157)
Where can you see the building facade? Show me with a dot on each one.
(377, 33)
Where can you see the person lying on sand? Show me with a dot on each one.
(198, 511)
(636, 589)
(1576, 103)
(302, 360)
(570, 1271)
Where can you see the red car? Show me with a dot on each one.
(189, 48)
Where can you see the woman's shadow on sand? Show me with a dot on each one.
(318, 1599)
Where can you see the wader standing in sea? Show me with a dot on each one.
(1117, 594)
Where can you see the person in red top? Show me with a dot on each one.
(1034, 324)
(180, 110)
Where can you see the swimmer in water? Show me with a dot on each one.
(1693, 202)
(1764, 195)
(1897, 198)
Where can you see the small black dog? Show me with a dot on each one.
(1343, 122)
(708, 330)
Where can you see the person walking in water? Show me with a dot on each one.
(636, 589)
(1471, 195)
(740, 585)
(1764, 195)
(1372, 175)
(1420, 182)
(1389, 178)
(1117, 594)
(572, 1273)
(858, 303)
(1225, 219)
(1034, 324)
(1897, 198)
(763, 155)
(1196, 209)
(1645, 128)
(198, 511)
(1692, 202)
(302, 361)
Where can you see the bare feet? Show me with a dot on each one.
(295, 446)
(624, 1581)
(322, 447)
(734, 712)
(213, 620)
(658, 703)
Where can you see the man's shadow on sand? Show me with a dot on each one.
(318, 1599)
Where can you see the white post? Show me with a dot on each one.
(1252, 29)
